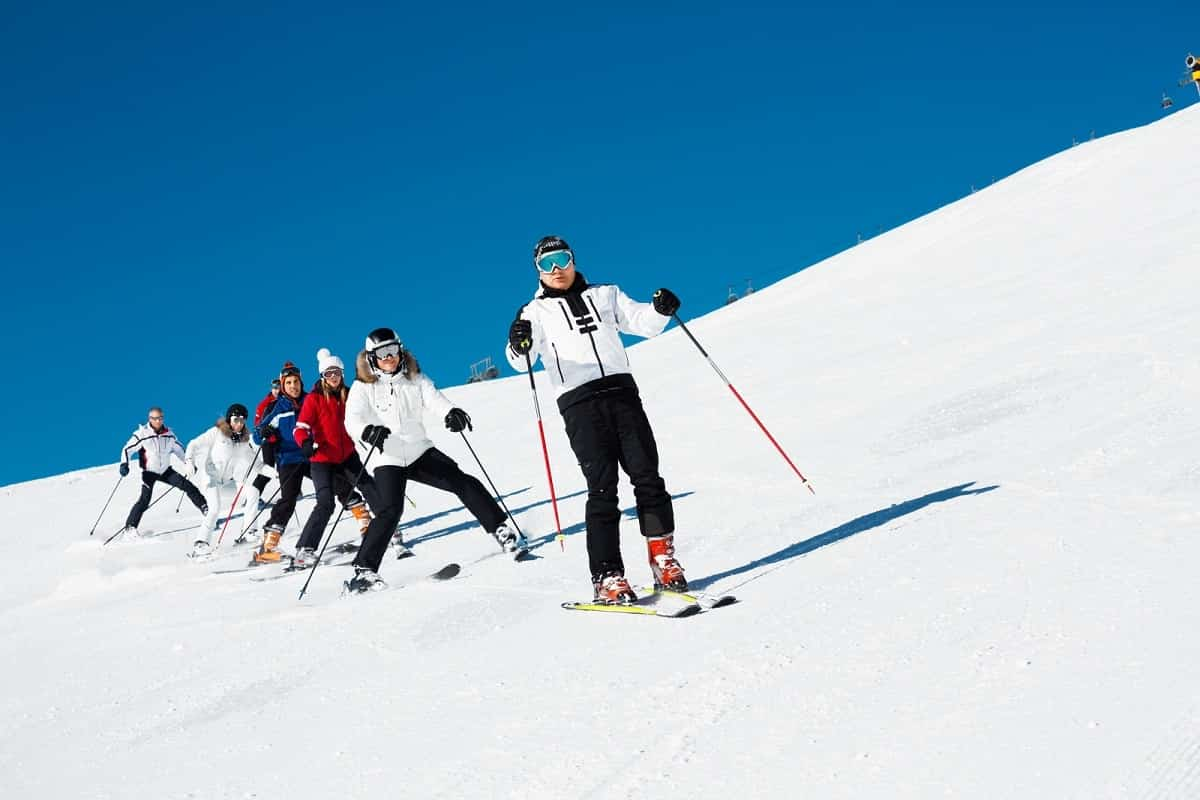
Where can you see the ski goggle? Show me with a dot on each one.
(332, 372)
(387, 351)
(275, 384)
(236, 418)
(560, 259)
(289, 372)
(154, 418)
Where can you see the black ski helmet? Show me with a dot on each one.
(236, 410)
(550, 244)
(381, 336)
(377, 339)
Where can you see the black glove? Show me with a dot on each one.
(458, 419)
(268, 433)
(237, 436)
(375, 435)
(520, 336)
(309, 447)
(665, 302)
(124, 468)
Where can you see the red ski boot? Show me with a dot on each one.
(668, 574)
(612, 589)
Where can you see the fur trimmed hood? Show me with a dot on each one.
(364, 372)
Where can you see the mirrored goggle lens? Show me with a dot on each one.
(553, 261)
(289, 372)
(388, 351)
(332, 372)
(235, 418)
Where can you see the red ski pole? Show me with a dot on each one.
(545, 454)
(743, 402)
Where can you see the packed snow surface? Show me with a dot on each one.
(992, 592)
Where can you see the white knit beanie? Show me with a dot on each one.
(325, 360)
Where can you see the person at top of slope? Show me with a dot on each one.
(384, 411)
(277, 427)
(154, 444)
(222, 457)
(574, 327)
(333, 464)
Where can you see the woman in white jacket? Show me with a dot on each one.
(385, 410)
(221, 459)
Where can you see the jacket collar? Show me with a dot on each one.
(577, 287)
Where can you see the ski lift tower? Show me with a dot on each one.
(483, 370)
(732, 298)
(1166, 102)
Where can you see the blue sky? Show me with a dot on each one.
(192, 196)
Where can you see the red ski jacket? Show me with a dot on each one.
(264, 406)
(323, 417)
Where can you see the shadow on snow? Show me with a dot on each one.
(843, 531)
(534, 542)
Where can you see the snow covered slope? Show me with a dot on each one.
(991, 594)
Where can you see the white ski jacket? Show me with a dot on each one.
(153, 449)
(399, 403)
(575, 333)
(215, 454)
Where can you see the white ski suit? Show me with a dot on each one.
(220, 465)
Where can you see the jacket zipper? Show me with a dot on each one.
(557, 363)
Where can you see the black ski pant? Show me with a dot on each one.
(170, 476)
(606, 432)
(335, 479)
(290, 477)
(434, 468)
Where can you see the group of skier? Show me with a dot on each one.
(327, 433)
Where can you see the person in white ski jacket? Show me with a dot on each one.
(222, 458)
(384, 415)
(577, 333)
(155, 443)
(574, 327)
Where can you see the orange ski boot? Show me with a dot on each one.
(668, 574)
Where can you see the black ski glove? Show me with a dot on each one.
(237, 436)
(124, 468)
(665, 302)
(309, 447)
(520, 336)
(375, 435)
(458, 419)
(268, 433)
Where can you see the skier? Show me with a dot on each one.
(155, 444)
(384, 410)
(333, 464)
(277, 427)
(574, 327)
(267, 470)
(223, 455)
